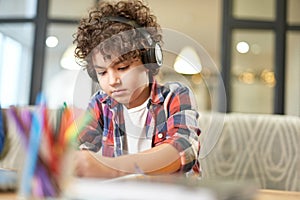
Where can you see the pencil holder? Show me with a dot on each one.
(46, 145)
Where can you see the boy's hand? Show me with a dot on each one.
(88, 164)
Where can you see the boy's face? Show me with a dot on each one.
(127, 81)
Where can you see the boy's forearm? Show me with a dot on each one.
(163, 159)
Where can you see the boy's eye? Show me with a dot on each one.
(101, 73)
(123, 68)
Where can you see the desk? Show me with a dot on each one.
(262, 195)
(8, 196)
(277, 195)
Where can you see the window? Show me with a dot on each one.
(252, 71)
(18, 8)
(254, 9)
(15, 64)
(292, 105)
(256, 81)
(24, 27)
(293, 14)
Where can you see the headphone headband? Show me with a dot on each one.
(122, 20)
(133, 24)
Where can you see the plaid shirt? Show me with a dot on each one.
(172, 118)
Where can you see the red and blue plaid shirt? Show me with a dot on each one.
(172, 118)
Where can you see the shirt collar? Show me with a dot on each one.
(156, 95)
(105, 99)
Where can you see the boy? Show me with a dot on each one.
(140, 126)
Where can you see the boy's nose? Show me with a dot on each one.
(114, 79)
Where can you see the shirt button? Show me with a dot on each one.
(160, 135)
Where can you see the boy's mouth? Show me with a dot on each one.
(118, 92)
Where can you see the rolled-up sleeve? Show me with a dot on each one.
(182, 127)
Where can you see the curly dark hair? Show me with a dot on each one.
(96, 34)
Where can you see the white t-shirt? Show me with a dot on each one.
(135, 124)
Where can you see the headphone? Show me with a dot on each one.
(153, 55)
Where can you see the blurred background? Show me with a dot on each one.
(254, 46)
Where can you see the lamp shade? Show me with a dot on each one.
(68, 59)
(188, 62)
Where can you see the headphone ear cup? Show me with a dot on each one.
(149, 60)
(153, 56)
(144, 56)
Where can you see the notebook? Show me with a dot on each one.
(143, 187)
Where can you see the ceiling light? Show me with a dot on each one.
(268, 77)
(242, 47)
(188, 62)
(51, 41)
(247, 77)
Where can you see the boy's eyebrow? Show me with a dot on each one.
(99, 67)
(113, 63)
